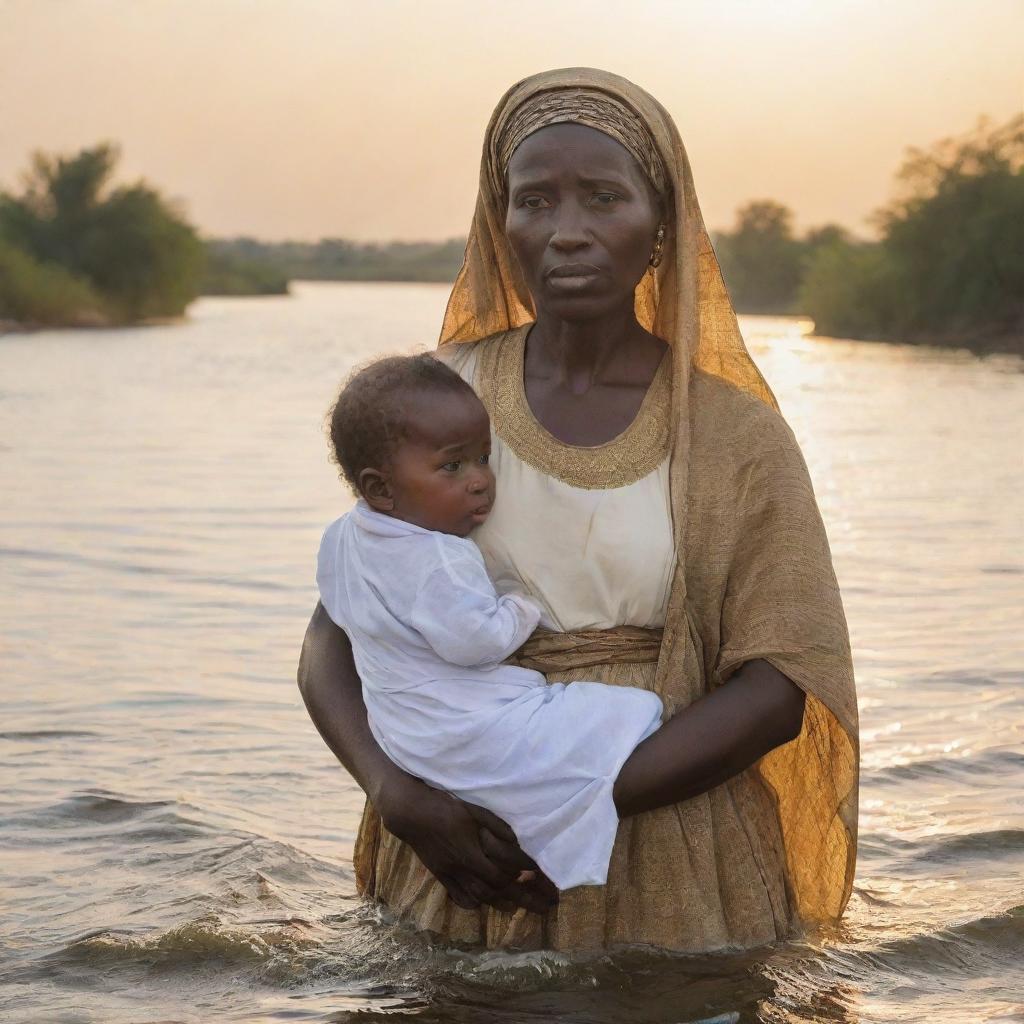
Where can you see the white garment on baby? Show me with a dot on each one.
(429, 634)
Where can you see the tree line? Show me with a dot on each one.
(947, 264)
(338, 259)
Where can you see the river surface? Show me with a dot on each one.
(175, 839)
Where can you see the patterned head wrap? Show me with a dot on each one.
(590, 107)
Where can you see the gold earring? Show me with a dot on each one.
(659, 244)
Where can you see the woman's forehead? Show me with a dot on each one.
(580, 146)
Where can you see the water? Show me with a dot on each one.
(175, 838)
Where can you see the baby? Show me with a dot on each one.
(429, 633)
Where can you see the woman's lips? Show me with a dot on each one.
(564, 270)
(572, 276)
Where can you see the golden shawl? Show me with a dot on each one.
(762, 585)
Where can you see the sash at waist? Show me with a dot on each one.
(546, 651)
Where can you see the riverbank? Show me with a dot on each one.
(981, 343)
(999, 343)
(987, 343)
(15, 327)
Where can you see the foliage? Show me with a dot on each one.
(45, 293)
(227, 274)
(950, 262)
(130, 246)
(337, 259)
(760, 259)
(847, 290)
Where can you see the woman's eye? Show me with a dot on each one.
(452, 467)
(606, 198)
(534, 202)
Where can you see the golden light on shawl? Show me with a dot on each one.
(764, 587)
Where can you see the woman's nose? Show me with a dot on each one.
(570, 231)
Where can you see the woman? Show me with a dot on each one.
(653, 499)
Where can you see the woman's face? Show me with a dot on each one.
(582, 220)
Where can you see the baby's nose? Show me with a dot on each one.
(478, 480)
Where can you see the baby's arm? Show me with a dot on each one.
(459, 613)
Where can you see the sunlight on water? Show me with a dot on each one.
(175, 838)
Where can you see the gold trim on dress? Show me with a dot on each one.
(623, 460)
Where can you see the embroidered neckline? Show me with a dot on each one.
(623, 460)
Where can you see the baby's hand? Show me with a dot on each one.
(546, 621)
(508, 586)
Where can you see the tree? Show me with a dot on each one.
(760, 258)
(956, 232)
(127, 244)
(950, 263)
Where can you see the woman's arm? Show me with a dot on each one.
(472, 853)
(712, 740)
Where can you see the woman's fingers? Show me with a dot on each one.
(507, 855)
(525, 896)
(486, 870)
(492, 823)
(545, 888)
(472, 852)
(528, 886)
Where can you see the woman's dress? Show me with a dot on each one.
(588, 532)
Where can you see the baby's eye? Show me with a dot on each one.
(485, 458)
(452, 467)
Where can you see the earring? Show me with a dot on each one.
(659, 244)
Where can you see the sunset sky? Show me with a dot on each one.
(310, 118)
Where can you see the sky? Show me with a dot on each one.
(364, 118)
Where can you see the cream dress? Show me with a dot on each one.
(588, 533)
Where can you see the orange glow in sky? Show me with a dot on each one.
(364, 120)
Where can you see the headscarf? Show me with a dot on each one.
(781, 601)
(589, 107)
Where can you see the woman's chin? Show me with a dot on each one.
(579, 306)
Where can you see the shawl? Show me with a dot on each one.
(762, 586)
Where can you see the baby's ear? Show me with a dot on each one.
(376, 490)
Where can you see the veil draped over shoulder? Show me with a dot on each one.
(763, 585)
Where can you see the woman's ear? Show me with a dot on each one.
(376, 489)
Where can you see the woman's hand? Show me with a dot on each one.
(473, 853)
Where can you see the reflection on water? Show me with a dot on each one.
(174, 837)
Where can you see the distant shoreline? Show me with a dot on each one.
(980, 344)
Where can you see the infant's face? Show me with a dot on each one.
(439, 476)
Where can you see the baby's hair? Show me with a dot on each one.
(369, 419)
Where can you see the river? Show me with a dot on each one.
(175, 839)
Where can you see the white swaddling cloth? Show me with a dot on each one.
(429, 634)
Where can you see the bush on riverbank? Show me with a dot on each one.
(44, 293)
(80, 251)
(949, 267)
(228, 274)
